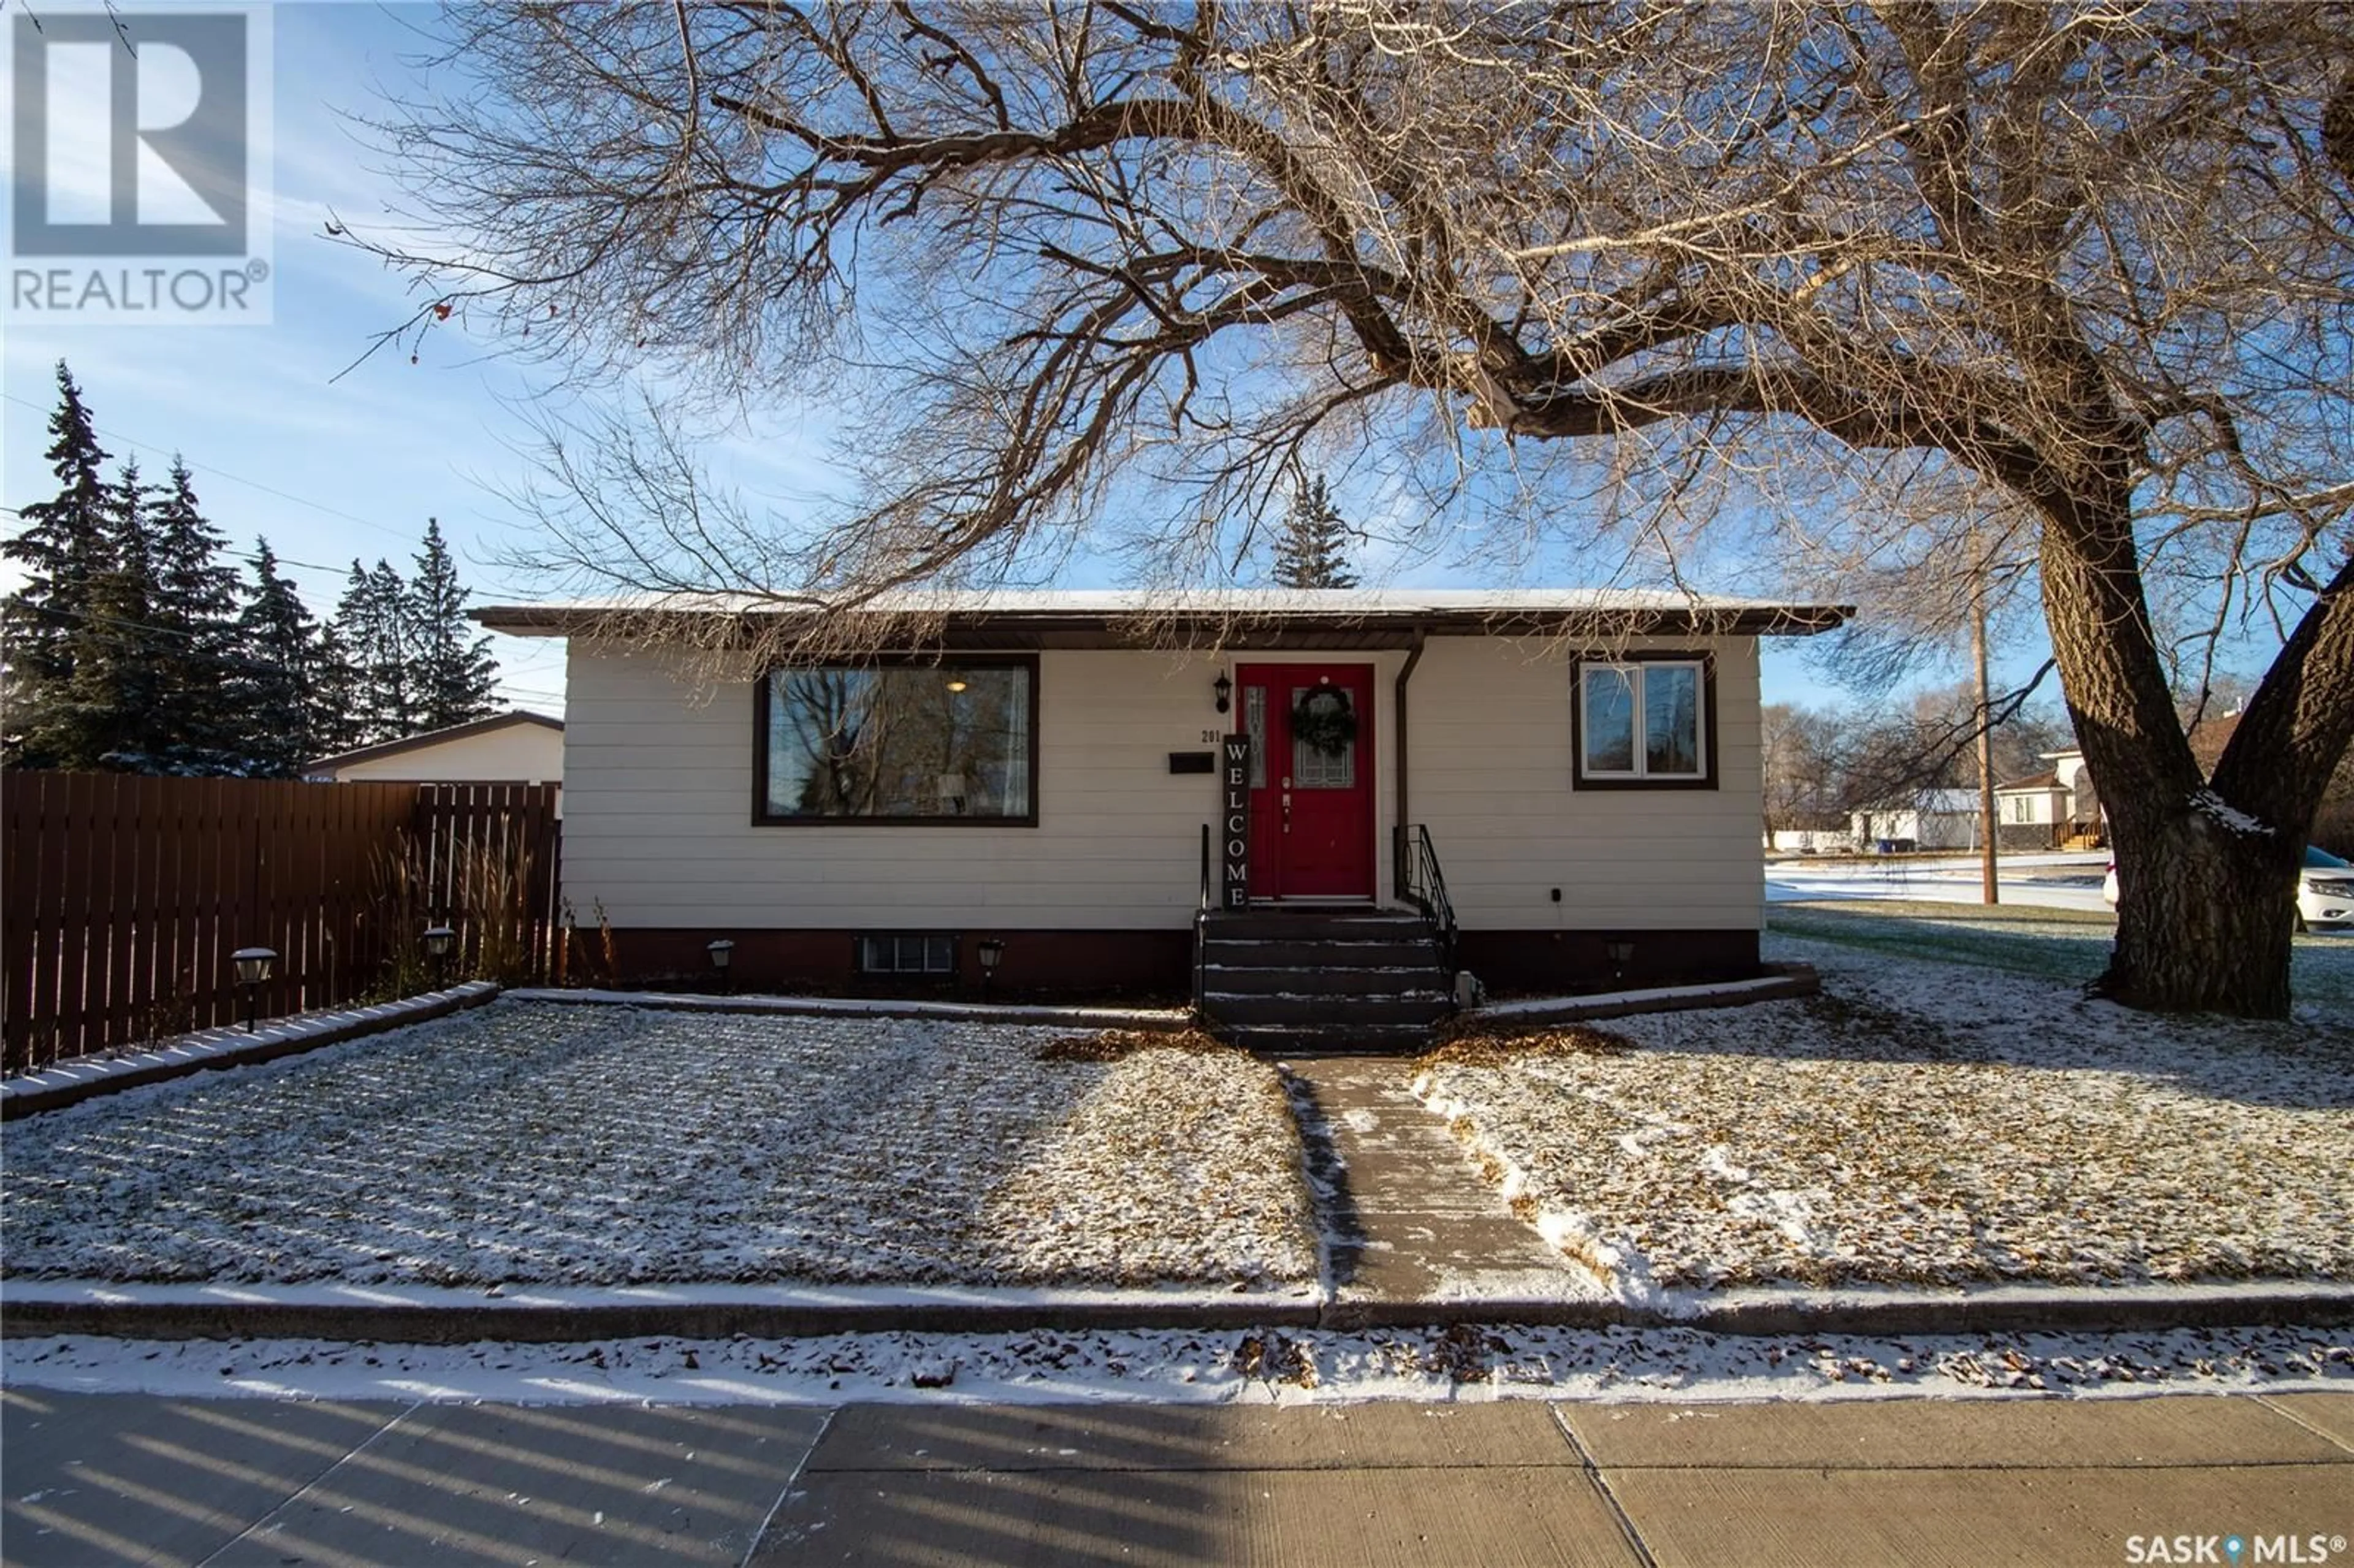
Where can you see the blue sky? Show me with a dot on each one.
(330, 469)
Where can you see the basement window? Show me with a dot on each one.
(902, 955)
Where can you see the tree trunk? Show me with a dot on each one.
(2204, 914)
(2204, 882)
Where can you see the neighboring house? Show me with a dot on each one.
(1933, 819)
(515, 747)
(1810, 840)
(2058, 809)
(2087, 823)
(1042, 772)
(2033, 812)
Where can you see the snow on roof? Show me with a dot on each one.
(1929, 802)
(1084, 604)
(432, 737)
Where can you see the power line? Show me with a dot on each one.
(219, 473)
(132, 627)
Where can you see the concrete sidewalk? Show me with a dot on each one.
(103, 1479)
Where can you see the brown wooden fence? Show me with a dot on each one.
(121, 898)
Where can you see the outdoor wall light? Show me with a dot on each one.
(991, 952)
(1224, 686)
(723, 952)
(253, 967)
(957, 684)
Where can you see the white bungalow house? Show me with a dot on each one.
(518, 748)
(1931, 820)
(1556, 788)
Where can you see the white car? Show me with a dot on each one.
(2324, 890)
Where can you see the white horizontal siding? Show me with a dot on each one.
(1491, 759)
(659, 806)
(659, 809)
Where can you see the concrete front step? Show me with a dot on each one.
(1418, 1011)
(1314, 923)
(1255, 980)
(1323, 979)
(1307, 952)
(1333, 1038)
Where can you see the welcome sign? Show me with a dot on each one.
(1234, 816)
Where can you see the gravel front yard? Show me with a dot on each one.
(1921, 1123)
(595, 1145)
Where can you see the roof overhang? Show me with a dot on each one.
(1333, 627)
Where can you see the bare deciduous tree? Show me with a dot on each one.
(2093, 257)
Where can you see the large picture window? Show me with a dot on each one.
(951, 743)
(1647, 721)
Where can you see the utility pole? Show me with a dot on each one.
(1989, 888)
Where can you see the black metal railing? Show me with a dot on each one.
(1201, 917)
(1422, 883)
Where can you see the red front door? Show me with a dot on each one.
(1312, 729)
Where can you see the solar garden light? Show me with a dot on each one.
(1621, 952)
(991, 952)
(438, 940)
(722, 952)
(253, 967)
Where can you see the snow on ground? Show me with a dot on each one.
(1475, 1363)
(2054, 881)
(2054, 943)
(1920, 1123)
(612, 1145)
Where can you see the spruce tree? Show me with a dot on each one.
(112, 712)
(1311, 549)
(64, 546)
(333, 713)
(371, 636)
(277, 670)
(196, 631)
(453, 674)
(388, 684)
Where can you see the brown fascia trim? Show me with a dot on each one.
(430, 737)
(978, 630)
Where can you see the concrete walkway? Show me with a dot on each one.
(1410, 1218)
(104, 1479)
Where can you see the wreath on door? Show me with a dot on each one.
(1325, 719)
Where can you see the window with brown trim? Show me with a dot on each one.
(1644, 721)
(899, 742)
